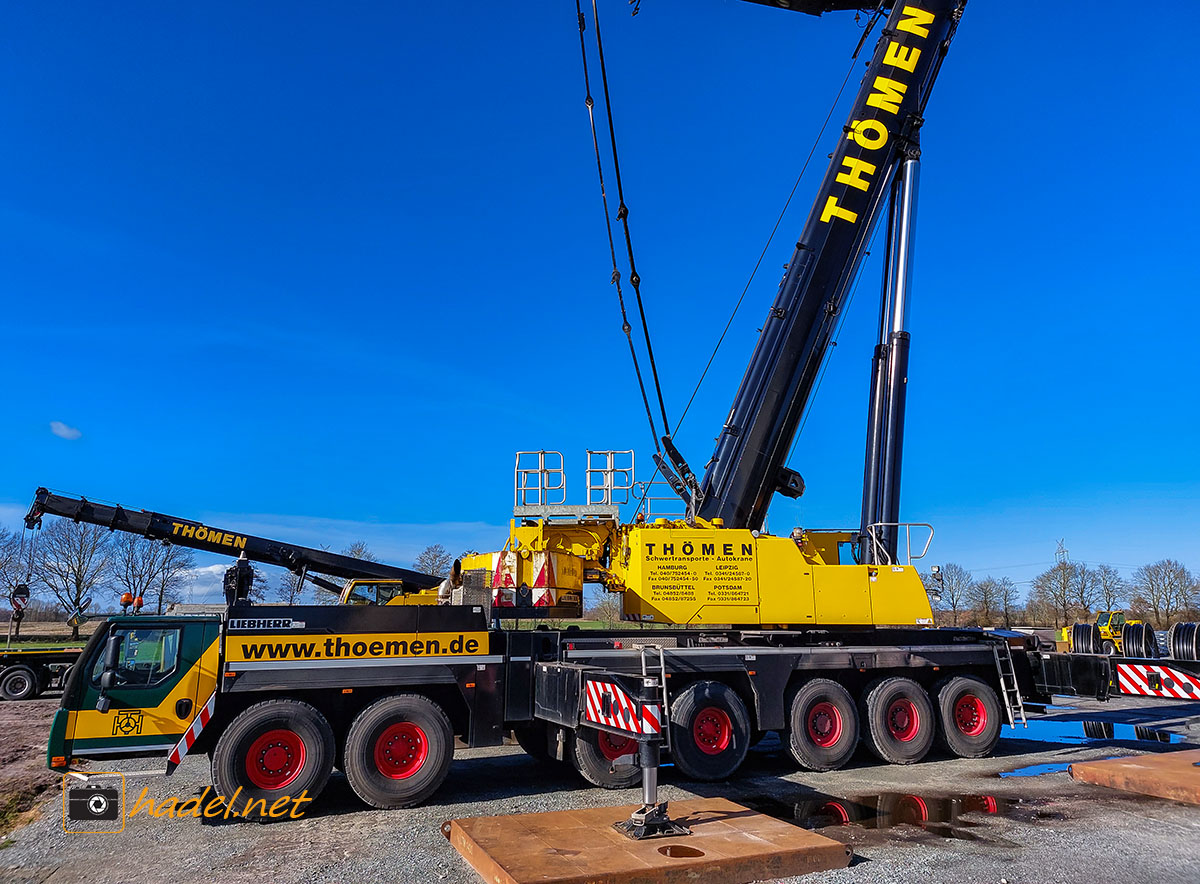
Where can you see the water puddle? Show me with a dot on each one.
(1082, 733)
(941, 815)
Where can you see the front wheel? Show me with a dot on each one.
(274, 749)
(710, 731)
(398, 751)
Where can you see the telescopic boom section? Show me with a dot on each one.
(748, 465)
(194, 535)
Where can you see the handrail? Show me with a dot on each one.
(882, 553)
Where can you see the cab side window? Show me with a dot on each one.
(148, 657)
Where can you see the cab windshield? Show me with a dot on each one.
(380, 593)
(1102, 620)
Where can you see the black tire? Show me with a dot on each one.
(710, 731)
(398, 751)
(898, 720)
(1139, 640)
(594, 754)
(534, 738)
(822, 725)
(1085, 638)
(1108, 648)
(273, 749)
(818, 813)
(18, 683)
(969, 717)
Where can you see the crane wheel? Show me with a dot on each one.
(534, 738)
(18, 683)
(969, 717)
(710, 731)
(606, 760)
(398, 751)
(817, 813)
(899, 720)
(274, 749)
(823, 725)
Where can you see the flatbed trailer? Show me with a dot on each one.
(26, 673)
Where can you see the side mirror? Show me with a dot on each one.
(108, 677)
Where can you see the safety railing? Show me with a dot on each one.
(609, 477)
(877, 532)
(539, 479)
(658, 500)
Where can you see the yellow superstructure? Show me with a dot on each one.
(672, 572)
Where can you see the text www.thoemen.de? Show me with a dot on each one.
(348, 649)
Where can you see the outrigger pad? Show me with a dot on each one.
(650, 821)
(729, 844)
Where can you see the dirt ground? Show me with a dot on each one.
(23, 774)
(982, 826)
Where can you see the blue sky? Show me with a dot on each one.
(321, 269)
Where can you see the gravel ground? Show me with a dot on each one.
(1055, 830)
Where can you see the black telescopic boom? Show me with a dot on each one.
(194, 535)
(748, 465)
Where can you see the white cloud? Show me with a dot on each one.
(64, 431)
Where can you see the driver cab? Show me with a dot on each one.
(384, 592)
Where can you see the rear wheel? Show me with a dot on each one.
(823, 725)
(969, 717)
(710, 731)
(899, 721)
(18, 683)
(272, 750)
(606, 760)
(398, 751)
(1108, 648)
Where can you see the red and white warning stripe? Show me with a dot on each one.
(192, 733)
(624, 710)
(1137, 678)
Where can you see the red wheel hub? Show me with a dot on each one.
(836, 811)
(401, 750)
(613, 747)
(912, 809)
(712, 730)
(275, 759)
(970, 714)
(824, 724)
(903, 719)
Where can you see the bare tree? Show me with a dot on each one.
(953, 586)
(607, 611)
(984, 598)
(359, 550)
(155, 571)
(1085, 590)
(174, 573)
(1166, 587)
(289, 590)
(433, 560)
(1009, 599)
(73, 559)
(1111, 589)
(12, 564)
(1057, 586)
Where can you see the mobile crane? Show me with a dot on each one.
(825, 637)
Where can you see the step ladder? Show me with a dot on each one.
(1013, 704)
(648, 671)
